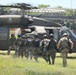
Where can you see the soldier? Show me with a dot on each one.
(18, 43)
(43, 45)
(22, 46)
(12, 41)
(36, 43)
(51, 49)
(29, 47)
(63, 45)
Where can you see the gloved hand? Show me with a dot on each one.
(70, 51)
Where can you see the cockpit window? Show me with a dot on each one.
(70, 33)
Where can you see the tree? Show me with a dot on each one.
(60, 7)
(68, 12)
(74, 12)
(43, 6)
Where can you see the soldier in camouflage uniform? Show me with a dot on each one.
(43, 45)
(63, 45)
(22, 46)
(29, 47)
(18, 43)
(51, 49)
(36, 43)
(12, 41)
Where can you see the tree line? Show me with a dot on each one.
(69, 12)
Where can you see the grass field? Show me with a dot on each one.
(12, 65)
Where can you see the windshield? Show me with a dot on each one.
(72, 36)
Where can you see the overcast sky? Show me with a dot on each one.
(52, 3)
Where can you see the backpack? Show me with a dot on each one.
(12, 41)
(36, 43)
(64, 43)
(18, 41)
(23, 42)
(29, 42)
(52, 44)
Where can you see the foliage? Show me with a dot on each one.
(43, 6)
(74, 12)
(60, 7)
(12, 65)
(68, 12)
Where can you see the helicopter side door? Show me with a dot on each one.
(4, 38)
(55, 32)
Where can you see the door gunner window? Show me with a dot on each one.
(56, 34)
(49, 31)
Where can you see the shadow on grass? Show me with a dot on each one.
(16, 56)
(58, 57)
(3, 53)
(69, 57)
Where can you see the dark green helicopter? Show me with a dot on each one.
(25, 21)
(19, 21)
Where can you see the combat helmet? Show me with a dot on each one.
(45, 36)
(51, 35)
(28, 36)
(36, 36)
(12, 35)
(23, 36)
(65, 34)
(18, 35)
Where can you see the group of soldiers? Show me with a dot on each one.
(33, 46)
(25, 46)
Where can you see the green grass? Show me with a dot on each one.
(12, 65)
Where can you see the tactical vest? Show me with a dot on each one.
(45, 42)
(29, 43)
(18, 41)
(12, 41)
(64, 43)
(52, 44)
(23, 42)
(36, 43)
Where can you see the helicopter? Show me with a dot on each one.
(24, 22)
(21, 21)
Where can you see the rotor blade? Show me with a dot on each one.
(23, 4)
(21, 7)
